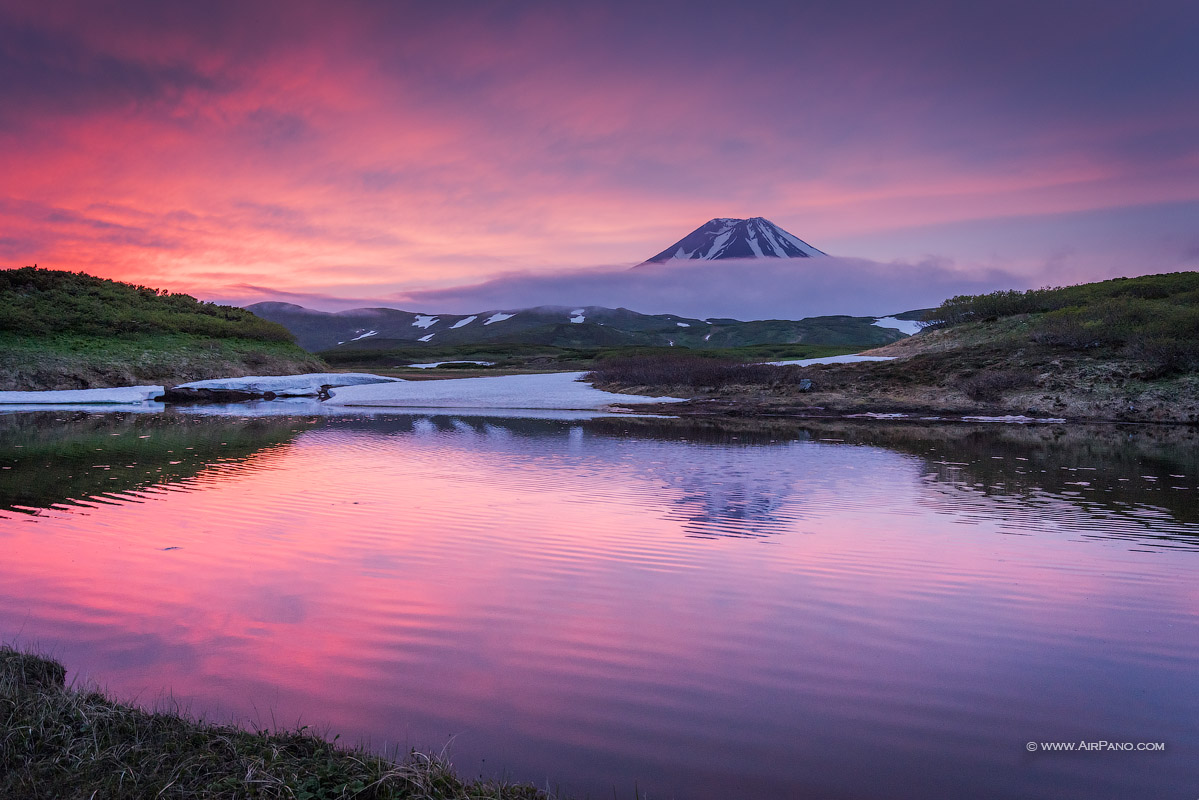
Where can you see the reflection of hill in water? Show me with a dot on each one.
(744, 478)
(1134, 482)
(64, 457)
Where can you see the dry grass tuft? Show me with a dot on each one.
(60, 742)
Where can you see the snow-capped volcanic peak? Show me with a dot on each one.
(737, 238)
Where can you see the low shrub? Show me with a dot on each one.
(693, 371)
(990, 385)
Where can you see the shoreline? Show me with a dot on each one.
(66, 741)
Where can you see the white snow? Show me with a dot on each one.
(439, 363)
(145, 407)
(683, 324)
(363, 336)
(717, 244)
(423, 321)
(1018, 419)
(426, 337)
(121, 394)
(908, 326)
(753, 245)
(559, 390)
(577, 318)
(807, 362)
(797, 242)
(308, 385)
(464, 321)
(498, 316)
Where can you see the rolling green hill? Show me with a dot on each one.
(370, 330)
(66, 330)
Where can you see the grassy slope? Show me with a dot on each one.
(59, 742)
(1125, 350)
(63, 330)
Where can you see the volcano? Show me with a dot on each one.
(724, 238)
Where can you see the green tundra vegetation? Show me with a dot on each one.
(1122, 350)
(65, 742)
(65, 330)
(1152, 319)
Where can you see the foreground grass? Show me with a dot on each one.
(60, 742)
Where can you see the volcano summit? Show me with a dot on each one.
(723, 238)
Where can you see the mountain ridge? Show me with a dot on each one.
(577, 326)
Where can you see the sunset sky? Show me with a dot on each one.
(377, 150)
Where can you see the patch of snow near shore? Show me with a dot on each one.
(440, 363)
(146, 407)
(559, 390)
(909, 326)
(807, 362)
(308, 385)
(120, 394)
(1019, 419)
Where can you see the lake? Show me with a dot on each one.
(611, 606)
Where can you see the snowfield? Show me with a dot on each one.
(308, 385)
(432, 364)
(849, 359)
(122, 394)
(559, 390)
(498, 316)
(908, 326)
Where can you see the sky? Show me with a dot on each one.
(440, 156)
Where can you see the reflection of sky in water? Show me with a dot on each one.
(597, 608)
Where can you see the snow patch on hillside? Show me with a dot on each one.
(423, 321)
(908, 326)
(498, 316)
(464, 321)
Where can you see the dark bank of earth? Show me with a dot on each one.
(59, 742)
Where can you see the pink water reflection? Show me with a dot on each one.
(542, 599)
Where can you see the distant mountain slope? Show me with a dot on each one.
(725, 238)
(560, 326)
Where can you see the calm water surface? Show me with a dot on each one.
(826, 610)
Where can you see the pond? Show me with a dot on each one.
(612, 606)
